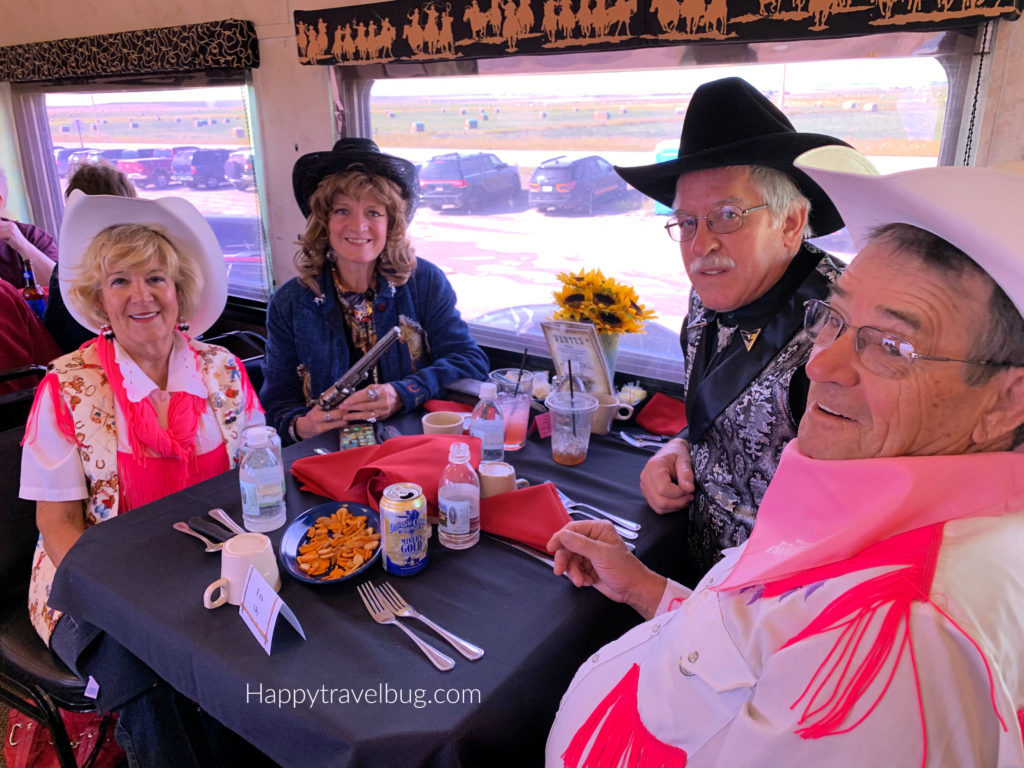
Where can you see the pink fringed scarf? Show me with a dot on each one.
(161, 461)
(822, 519)
(617, 730)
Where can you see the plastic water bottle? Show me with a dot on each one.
(487, 423)
(261, 477)
(458, 496)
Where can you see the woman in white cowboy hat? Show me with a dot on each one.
(358, 277)
(143, 410)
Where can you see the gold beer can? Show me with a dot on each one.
(404, 529)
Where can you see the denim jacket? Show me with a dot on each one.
(304, 330)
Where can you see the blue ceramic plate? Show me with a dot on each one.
(295, 536)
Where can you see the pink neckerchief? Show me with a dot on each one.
(820, 512)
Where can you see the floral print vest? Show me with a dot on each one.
(86, 391)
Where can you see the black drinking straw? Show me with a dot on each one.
(572, 396)
(522, 364)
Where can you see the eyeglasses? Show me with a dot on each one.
(881, 353)
(721, 220)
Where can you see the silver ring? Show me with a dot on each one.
(328, 416)
(372, 394)
(372, 420)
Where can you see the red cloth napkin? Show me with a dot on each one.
(362, 474)
(663, 415)
(447, 405)
(528, 515)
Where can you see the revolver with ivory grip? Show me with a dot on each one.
(351, 378)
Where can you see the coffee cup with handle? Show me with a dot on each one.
(608, 409)
(238, 554)
(499, 477)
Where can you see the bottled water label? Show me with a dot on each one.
(455, 515)
(492, 438)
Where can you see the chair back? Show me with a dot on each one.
(17, 525)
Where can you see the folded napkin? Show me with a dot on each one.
(447, 405)
(361, 474)
(663, 415)
(528, 515)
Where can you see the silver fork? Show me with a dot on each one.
(383, 615)
(622, 522)
(402, 608)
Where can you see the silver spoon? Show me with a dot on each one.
(210, 546)
(222, 517)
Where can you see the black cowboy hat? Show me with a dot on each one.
(729, 122)
(354, 154)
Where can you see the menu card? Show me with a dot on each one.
(578, 342)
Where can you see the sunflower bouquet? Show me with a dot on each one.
(610, 306)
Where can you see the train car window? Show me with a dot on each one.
(187, 142)
(549, 202)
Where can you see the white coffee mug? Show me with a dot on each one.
(442, 423)
(499, 477)
(238, 554)
(608, 408)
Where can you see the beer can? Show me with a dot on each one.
(404, 529)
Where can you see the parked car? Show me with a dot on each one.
(63, 155)
(111, 155)
(468, 181)
(578, 185)
(149, 167)
(200, 167)
(240, 240)
(239, 169)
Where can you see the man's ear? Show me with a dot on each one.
(793, 224)
(1006, 412)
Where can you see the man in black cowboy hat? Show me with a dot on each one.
(742, 212)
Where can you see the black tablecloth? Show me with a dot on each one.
(141, 582)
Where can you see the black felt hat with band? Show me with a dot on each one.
(354, 154)
(729, 122)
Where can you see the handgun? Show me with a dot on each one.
(353, 377)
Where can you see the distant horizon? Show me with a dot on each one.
(797, 78)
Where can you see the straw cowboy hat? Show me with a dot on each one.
(729, 122)
(354, 154)
(979, 210)
(173, 217)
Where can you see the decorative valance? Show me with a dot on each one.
(228, 44)
(413, 30)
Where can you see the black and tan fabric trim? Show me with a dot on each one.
(227, 44)
(413, 30)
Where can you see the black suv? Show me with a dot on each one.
(471, 182)
(579, 185)
(200, 167)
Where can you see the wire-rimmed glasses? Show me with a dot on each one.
(881, 352)
(682, 227)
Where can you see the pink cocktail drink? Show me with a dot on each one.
(515, 409)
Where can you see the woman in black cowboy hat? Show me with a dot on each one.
(358, 277)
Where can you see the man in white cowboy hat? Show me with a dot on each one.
(742, 212)
(872, 617)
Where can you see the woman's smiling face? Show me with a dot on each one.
(141, 305)
(357, 229)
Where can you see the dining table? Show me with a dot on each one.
(355, 692)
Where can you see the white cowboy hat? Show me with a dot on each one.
(979, 210)
(175, 218)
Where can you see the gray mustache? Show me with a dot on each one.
(712, 262)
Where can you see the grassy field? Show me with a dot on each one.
(897, 123)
